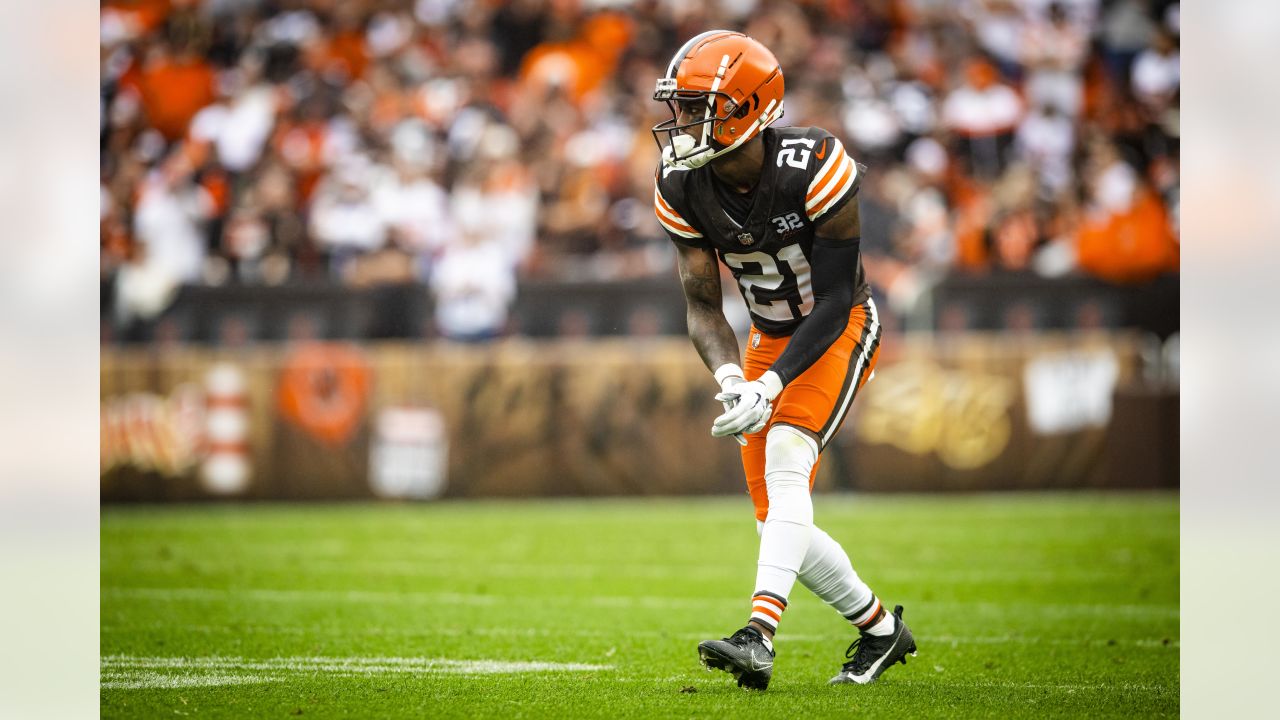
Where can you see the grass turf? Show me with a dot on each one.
(1022, 605)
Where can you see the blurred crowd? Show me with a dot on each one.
(470, 144)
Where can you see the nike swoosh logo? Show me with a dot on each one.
(871, 671)
(757, 665)
(822, 151)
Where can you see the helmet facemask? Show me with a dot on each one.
(691, 144)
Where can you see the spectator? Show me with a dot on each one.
(1156, 72)
(999, 26)
(408, 200)
(474, 284)
(1047, 139)
(142, 290)
(1054, 51)
(1127, 28)
(983, 112)
(168, 219)
(174, 85)
(344, 219)
(495, 198)
(1125, 236)
(240, 121)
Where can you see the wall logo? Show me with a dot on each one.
(194, 427)
(152, 432)
(324, 389)
(1070, 391)
(922, 408)
(409, 454)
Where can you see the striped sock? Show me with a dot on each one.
(766, 609)
(867, 615)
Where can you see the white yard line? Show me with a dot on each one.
(129, 672)
(351, 665)
(148, 680)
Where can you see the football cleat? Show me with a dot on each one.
(745, 655)
(870, 655)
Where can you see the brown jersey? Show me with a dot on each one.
(767, 242)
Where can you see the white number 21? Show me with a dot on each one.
(788, 154)
(769, 278)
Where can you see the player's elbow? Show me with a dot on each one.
(837, 300)
(700, 314)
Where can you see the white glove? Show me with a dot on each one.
(751, 406)
(729, 375)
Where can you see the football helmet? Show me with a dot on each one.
(723, 88)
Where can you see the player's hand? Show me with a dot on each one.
(729, 375)
(751, 406)
(728, 405)
(746, 412)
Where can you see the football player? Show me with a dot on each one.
(778, 207)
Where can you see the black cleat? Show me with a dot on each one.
(745, 655)
(870, 655)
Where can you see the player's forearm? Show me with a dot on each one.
(712, 335)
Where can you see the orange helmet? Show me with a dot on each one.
(732, 86)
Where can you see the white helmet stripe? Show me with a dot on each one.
(684, 50)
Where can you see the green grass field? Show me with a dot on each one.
(1022, 605)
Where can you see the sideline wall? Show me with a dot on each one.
(615, 417)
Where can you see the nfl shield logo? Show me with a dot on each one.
(745, 238)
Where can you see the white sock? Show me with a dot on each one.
(784, 538)
(884, 627)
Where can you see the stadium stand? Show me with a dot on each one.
(420, 168)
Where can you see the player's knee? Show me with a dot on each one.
(789, 459)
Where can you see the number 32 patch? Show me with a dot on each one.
(788, 222)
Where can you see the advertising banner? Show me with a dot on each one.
(612, 417)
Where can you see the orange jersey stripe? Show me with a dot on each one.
(670, 217)
(675, 224)
(667, 206)
(834, 188)
(820, 185)
(821, 205)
